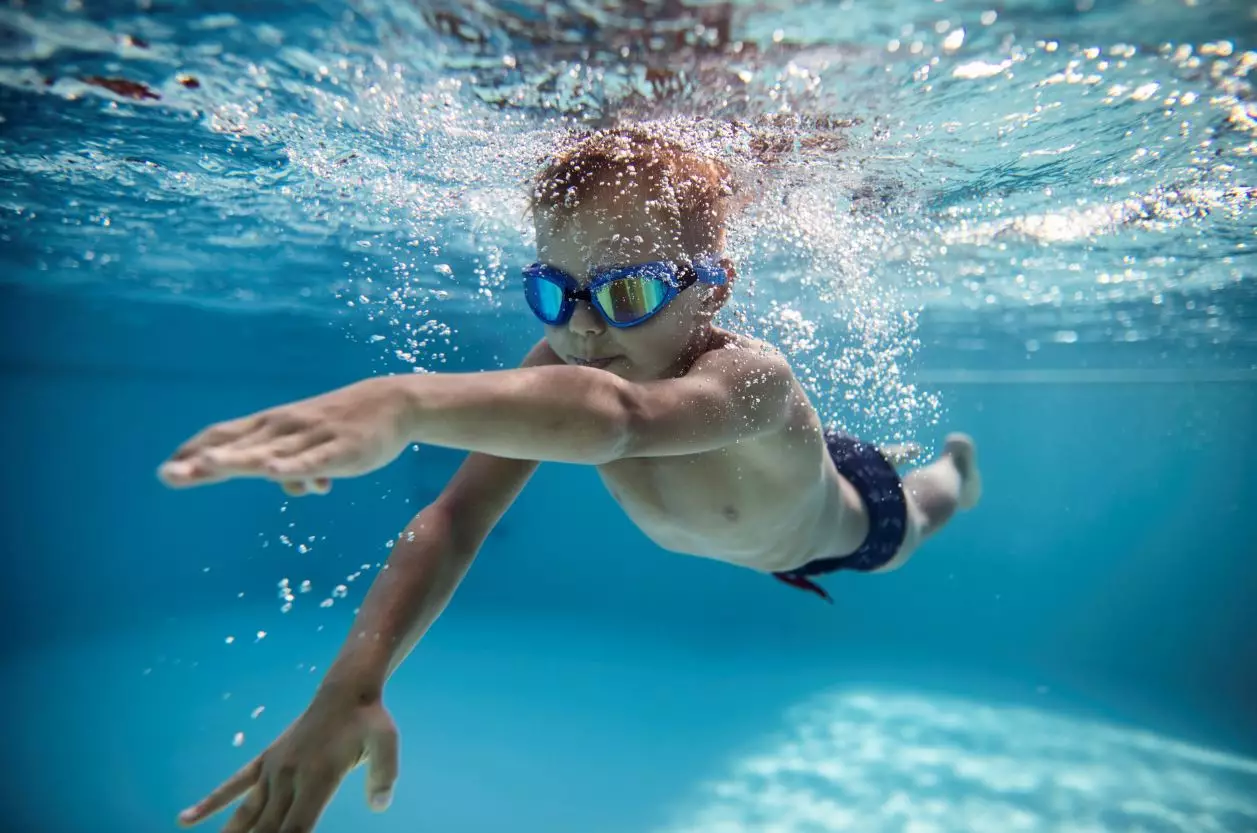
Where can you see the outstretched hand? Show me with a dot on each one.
(287, 787)
(303, 445)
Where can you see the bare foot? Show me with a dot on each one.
(964, 455)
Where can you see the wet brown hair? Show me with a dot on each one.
(695, 190)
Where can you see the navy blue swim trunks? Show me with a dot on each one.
(882, 490)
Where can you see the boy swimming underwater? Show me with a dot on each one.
(704, 437)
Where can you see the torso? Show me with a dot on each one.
(769, 503)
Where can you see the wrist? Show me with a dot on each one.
(348, 689)
(400, 395)
(413, 394)
(359, 672)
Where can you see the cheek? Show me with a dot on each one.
(679, 320)
(555, 337)
(659, 339)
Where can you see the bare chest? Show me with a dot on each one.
(720, 504)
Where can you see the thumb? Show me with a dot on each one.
(382, 766)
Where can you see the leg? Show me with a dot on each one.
(949, 483)
(936, 491)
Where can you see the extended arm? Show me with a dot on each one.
(547, 412)
(288, 785)
(584, 415)
(427, 563)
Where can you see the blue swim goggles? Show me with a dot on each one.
(624, 296)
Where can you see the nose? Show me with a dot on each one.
(586, 321)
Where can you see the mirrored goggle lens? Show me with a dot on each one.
(546, 296)
(629, 299)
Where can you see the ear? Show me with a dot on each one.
(719, 295)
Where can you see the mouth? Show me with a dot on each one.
(598, 363)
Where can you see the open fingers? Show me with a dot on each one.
(278, 800)
(317, 463)
(250, 809)
(227, 792)
(253, 454)
(293, 444)
(189, 465)
(190, 472)
(219, 434)
(313, 793)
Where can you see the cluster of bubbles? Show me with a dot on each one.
(409, 135)
(1042, 170)
(1071, 174)
(445, 166)
(340, 591)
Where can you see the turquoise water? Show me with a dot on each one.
(1039, 231)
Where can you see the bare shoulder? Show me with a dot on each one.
(759, 383)
(734, 355)
(726, 340)
(757, 370)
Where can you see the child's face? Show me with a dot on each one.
(622, 230)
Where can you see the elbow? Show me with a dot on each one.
(623, 415)
(435, 530)
(454, 530)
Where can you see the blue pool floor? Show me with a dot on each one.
(555, 726)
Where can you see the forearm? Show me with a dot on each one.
(406, 597)
(553, 413)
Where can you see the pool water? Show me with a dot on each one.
(1030, 221)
